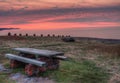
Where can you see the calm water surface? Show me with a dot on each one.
(112, 33)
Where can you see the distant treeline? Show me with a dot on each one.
(35, 35)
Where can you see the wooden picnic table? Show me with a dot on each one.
(38, 52)
(35, 60)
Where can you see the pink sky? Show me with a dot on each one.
(59, 14)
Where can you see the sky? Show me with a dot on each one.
(72, 17)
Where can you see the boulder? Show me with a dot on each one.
(68, 39)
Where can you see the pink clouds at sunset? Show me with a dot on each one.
(59, 14)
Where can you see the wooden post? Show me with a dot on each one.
(53, 35)
(26, 34)
(15, 34)
(20, 34)
(48, 35)
(34, 35)
(9, 34)
(62, 35)
(41, 35)
(58, 35)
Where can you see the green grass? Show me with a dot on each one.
(4, 79)
(75, 72)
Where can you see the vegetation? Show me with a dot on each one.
(90, 61)
(75, 72)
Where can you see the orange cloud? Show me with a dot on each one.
(55, 25)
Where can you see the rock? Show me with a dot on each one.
(1, 68)
(15, 76)
(68, 39)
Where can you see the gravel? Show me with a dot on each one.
(3, 69)
(20, 78)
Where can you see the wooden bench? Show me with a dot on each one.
(25, 60)
(35, 60)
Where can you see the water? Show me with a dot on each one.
(109, 33)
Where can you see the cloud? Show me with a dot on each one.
(1, 29)
(60, 11)
(69, 14)
(20, 22)
(112, 17)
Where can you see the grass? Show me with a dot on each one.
(3, 79)
(88, 63)
(75, 72)
(111, 50)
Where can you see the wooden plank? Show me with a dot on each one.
(61, 57)
(39, 52)
(25, 60)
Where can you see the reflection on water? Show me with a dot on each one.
(112, 33)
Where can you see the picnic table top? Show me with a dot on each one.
(39, 52)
